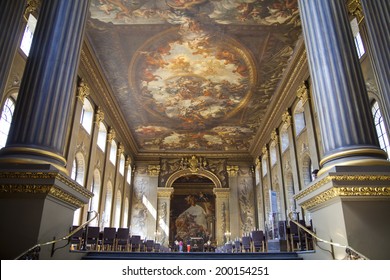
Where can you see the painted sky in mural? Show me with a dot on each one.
(193, 83)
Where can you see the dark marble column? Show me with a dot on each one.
(11, 20)
(38, 200)
(40, 124)
(377, 15)
(345, 119)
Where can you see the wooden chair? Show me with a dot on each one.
(76, 239)
(108, 240)
(246, 244)
(149, 246)
(135, 243)
(122, 241)
(228, 247)
(93, 234)
(258, 240)
(237, 246)
(157, 247)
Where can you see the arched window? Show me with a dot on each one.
(299, 118)
(78, 173)
(264, 166)
(284, 140)
(272, 152)
(106, 219)
(122, 165)
(87, 116)
(102, 137)
(6, 119)
(113, 152)
(128, 179)
(78, 169)
(380, 127)
(125, 213)
(118, 205)
(96, 194)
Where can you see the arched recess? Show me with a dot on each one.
(187, 172)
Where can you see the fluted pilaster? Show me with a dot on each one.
(40, 123)
(345, 119)
(377, 15)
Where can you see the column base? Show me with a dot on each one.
(349, 205)
(37, 206)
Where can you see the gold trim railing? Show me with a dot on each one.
(349, 249)
(60, 239)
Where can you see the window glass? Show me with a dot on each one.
(380, 127)
(28, 34)
(5, 120)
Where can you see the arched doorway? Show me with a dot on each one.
(192, 211)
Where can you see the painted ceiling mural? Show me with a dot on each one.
(193, 74)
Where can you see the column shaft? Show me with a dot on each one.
(40, 123)
(11, 20)
(343, 109)
(377, 15)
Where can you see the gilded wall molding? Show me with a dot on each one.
(42, 189)
(342, 178)
(45, 175)
(363, 191)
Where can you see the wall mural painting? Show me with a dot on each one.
(246, 202)
(139, 210)
(194, 218)
(192, 84)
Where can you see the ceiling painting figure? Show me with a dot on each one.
(193, 74)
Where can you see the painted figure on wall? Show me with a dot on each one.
(194, 221)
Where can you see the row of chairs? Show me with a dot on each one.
(294, 238)
(255, 242)
(111, 239)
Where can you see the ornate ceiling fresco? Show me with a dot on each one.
(193, 74)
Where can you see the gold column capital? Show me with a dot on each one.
(111, 134)
(153, 170)
(355, 9)
(222, 192)
(274, 137)
(99, 115)
(165, 192)
(286, 119)
(83, 90)
(232, 170)
(264, 152)
(303, 93)
(32, 7)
